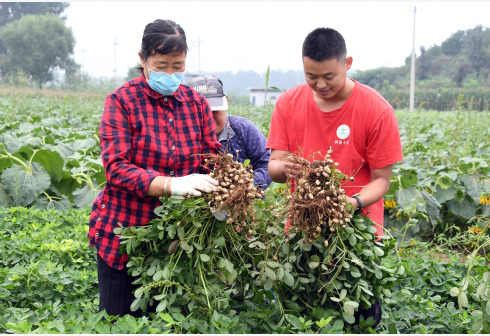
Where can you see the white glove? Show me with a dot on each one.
(192, 185)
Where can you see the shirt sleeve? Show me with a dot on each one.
(259, 156)
(115, 143)
(278, 136)
(384, 145)
(210, 142)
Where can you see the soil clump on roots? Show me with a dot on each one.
(235, 192)
(318, 199)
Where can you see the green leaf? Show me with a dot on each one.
(379, 252)
(313, 264)
(270, 274)
(406, 198)
(323, 322)
(486, 277)
(161, 306)
(353, 239)
(463, 208)
(135, 304)
(348, 318)
(220, 241)
(246, 162)
(288, 279)
(204, 257)
(295, 322)
(268, 284)
(84, 196)
(5, 200)
(343, 293)
(353, 304)
(185, 246)
(462, 300)
(158, 275)
(361, 226)
(348, 309)
(23, 187)
(181, 233)
(368, 253)
(52, 162)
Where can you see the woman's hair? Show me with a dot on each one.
(163, 37)
(323, 44)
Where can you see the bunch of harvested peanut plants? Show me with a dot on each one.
(235, 192)
(318, 199)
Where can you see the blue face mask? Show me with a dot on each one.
(164, 83)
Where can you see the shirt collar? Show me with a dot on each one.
(223, 136)
(152, 93)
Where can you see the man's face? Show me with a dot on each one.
(219, 120)
(326, 78)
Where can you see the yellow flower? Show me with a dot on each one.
(390, 204)
(485, 200)
(475, 230)
(279, 190)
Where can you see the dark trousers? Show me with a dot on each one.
(115, 290)
(374, 311)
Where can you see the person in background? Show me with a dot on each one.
(237, 135)
(331, 110)
(152, 131)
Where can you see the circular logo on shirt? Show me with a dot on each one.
(343, 132)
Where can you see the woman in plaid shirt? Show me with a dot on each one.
(152, 131)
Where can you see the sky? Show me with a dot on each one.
(255, 35)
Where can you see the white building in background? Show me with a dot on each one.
(258, 96)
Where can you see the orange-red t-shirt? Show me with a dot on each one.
(363, 134)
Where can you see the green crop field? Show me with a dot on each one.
(434, 275)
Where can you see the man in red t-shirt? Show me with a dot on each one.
(331, 110)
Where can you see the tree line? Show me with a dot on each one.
(29, 55)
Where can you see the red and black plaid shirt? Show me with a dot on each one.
(144, 134)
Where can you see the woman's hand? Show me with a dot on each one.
(192, 185)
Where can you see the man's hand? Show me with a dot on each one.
(280, 169)
(292, 170)
(192, 185)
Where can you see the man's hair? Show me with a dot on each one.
(324, 44)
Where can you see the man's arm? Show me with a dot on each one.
(377, 187)
(280, 170)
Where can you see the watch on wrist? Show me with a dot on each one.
(361, 205)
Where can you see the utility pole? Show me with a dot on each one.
(412, 68)
(83, 59)
(199, 52)
(115, 59)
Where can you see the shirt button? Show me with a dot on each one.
(148, 171)
(173, 147)
(170, 120)
(98, 219)
(172, 173)
(165, 99)
(97, 234)
(103, 206)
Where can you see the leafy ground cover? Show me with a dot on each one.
(438, 208)
(48, 285)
